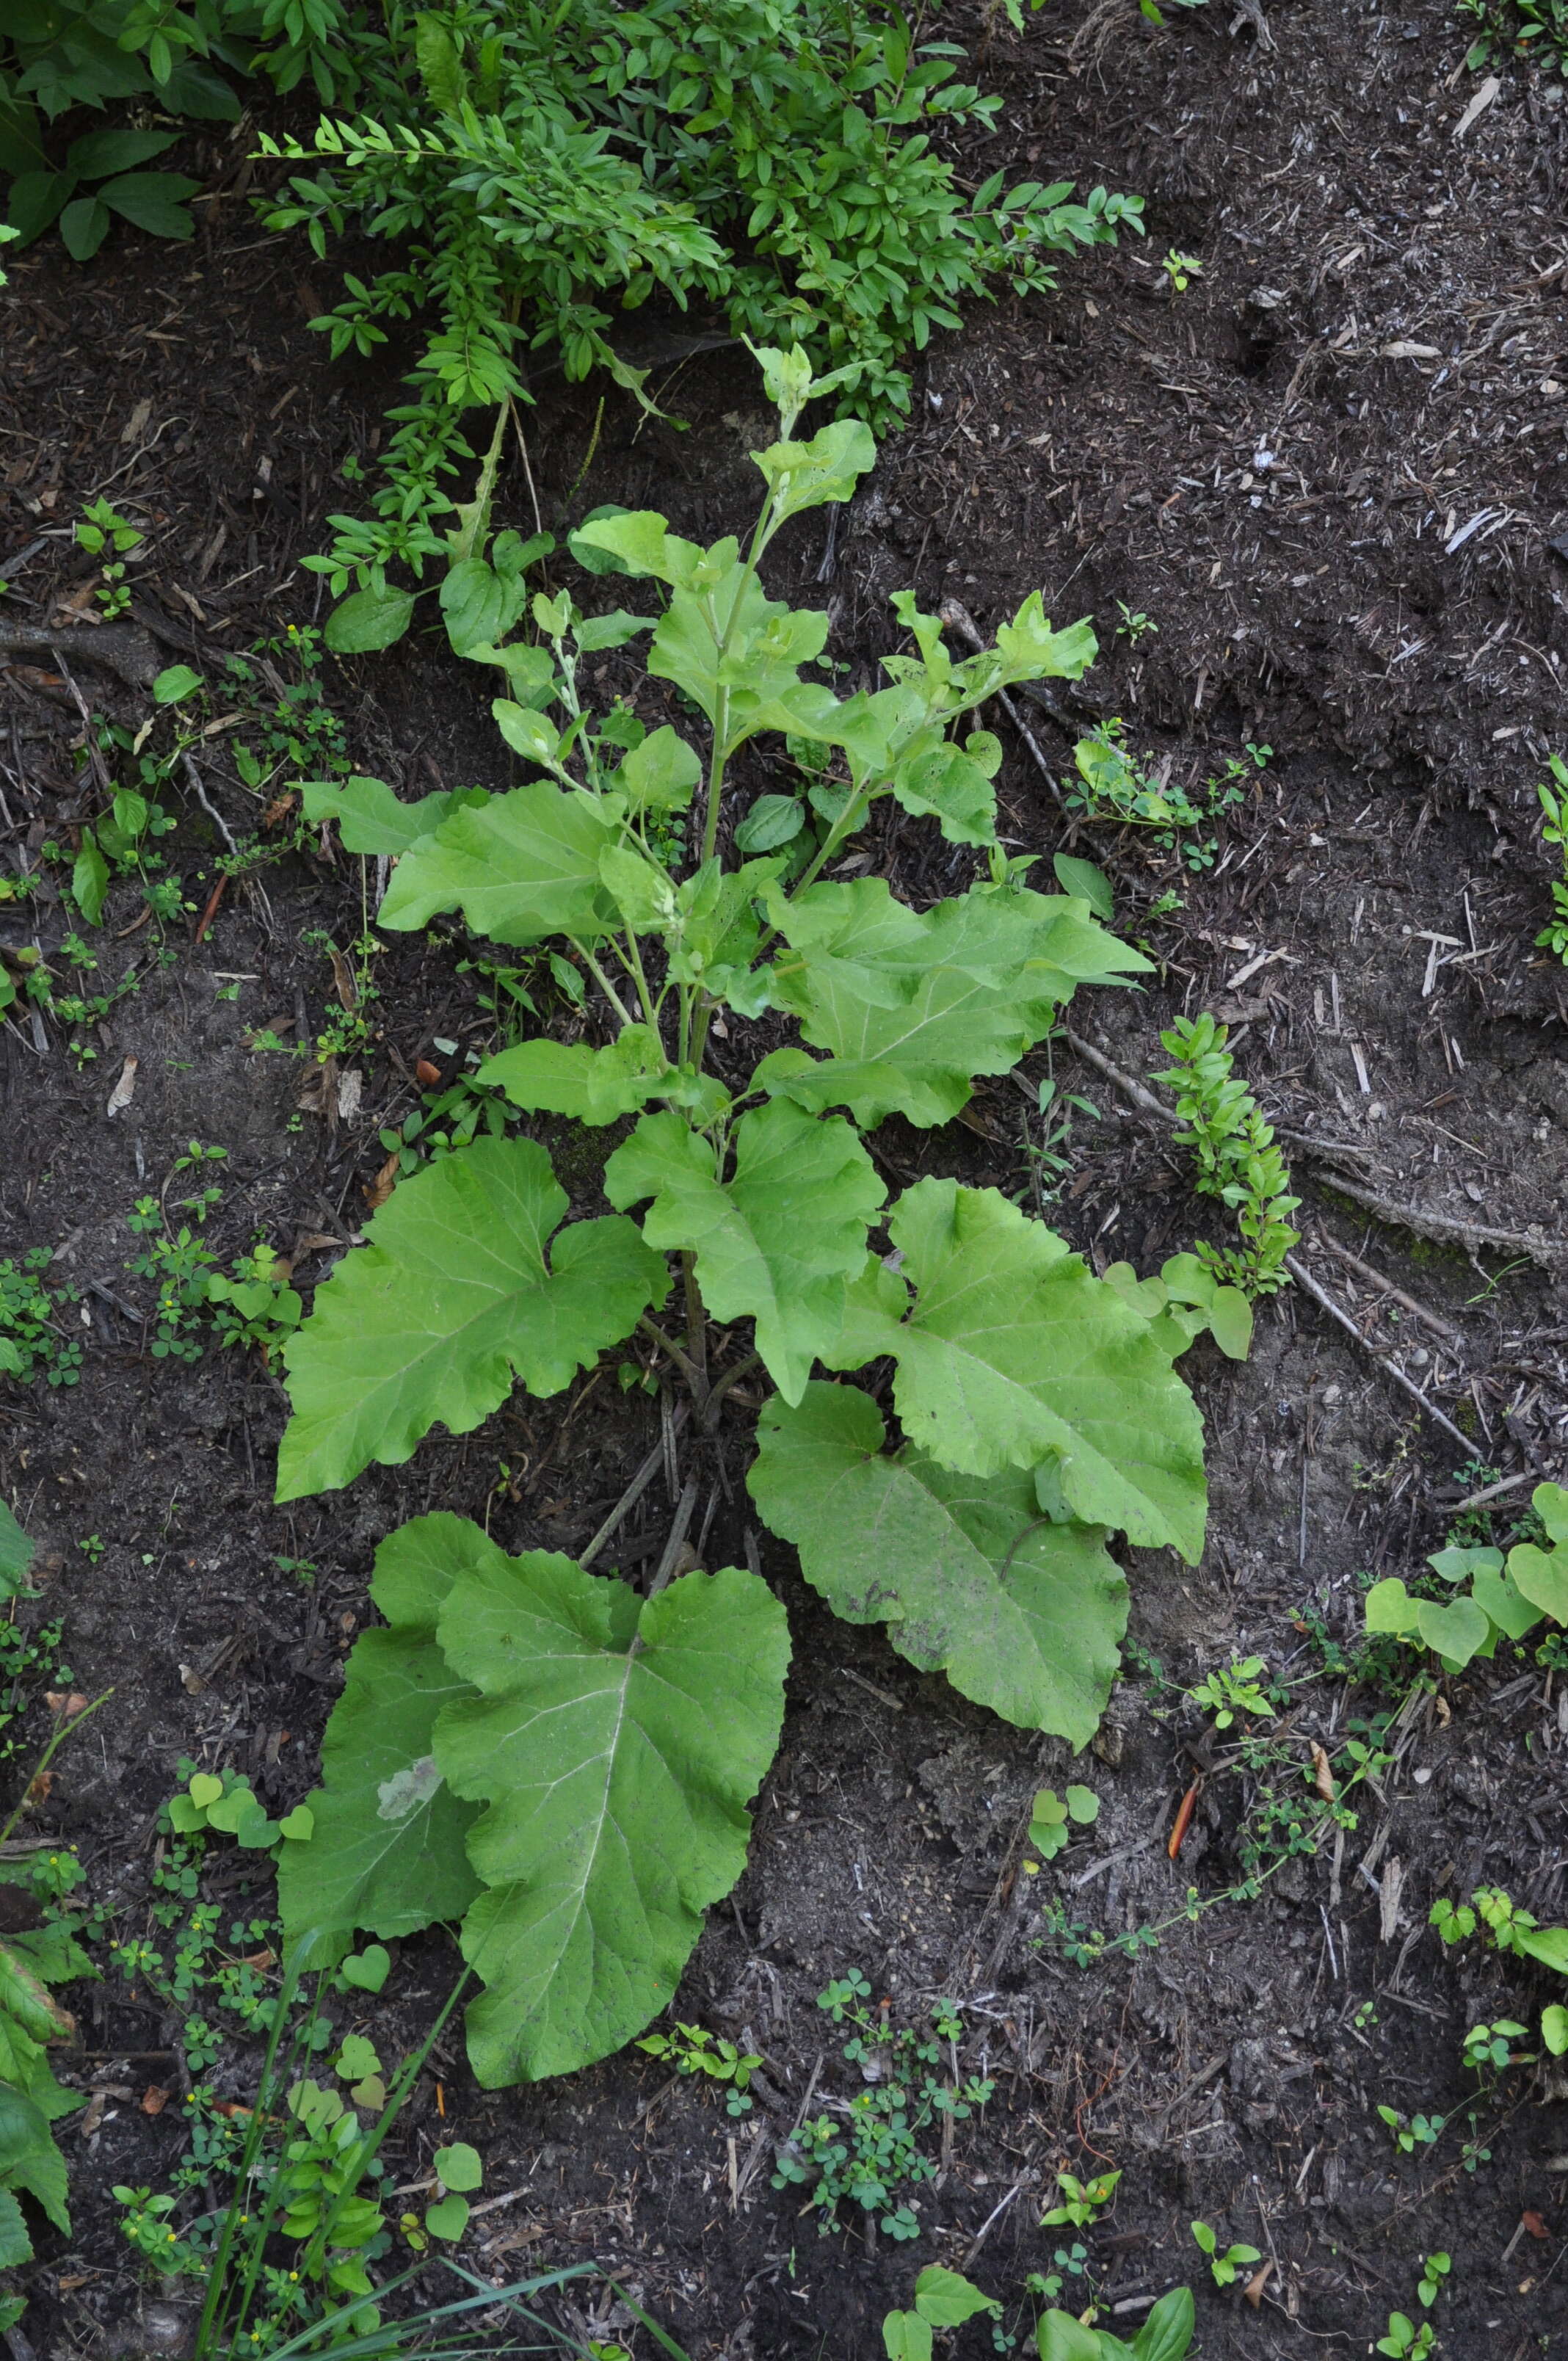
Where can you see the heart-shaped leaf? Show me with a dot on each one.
(367, 1969)
(449, 1298)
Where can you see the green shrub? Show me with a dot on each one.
(545, 168)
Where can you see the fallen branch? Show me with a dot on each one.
(1320, 1294)
(122, 648)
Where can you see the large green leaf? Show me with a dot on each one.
(1011, 1352)
(571, 1078)
(525, 866)
(29, 2158)
(100, 152)
(450, 1294)
(386, 1852)
(153, 200)
(371, 818)
(617, 1742)
(1023, 1615)
(482, 597)
(15, 1551)
(804, 475)
(776, 1242)
(368, 621)
(912, 1004)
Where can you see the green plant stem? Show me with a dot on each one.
(66, 1730)
(696, 1323)
(599, 977)
(634, 957)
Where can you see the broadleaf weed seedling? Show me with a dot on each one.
(1226, 2267)
(1048, 1829)
(866, 2152)
(1554, 936)
(1435, 2271)
(1081, 2202)
(691, 2049)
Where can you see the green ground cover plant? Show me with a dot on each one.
(540, 1752)
(1495, 1596)
(774, 162)
(1529, 30)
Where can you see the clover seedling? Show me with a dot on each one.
(227, 1803)
(1414, 2131)
(1224, 2267)
(1048, 1829)
(1488, 2045)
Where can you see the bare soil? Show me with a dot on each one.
(1334, 474)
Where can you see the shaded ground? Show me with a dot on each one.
(1331, 474)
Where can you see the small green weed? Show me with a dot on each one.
(1234, 1688)
(866, 2152)
(690, 2049)
(1114, 789)
(1048, 1829)
(1181, 270)
(1489, 2048)
(1235, 1149)
(1404, 2340)
(1412, 2131)
(1082, 2202)
(1166, 2335)
(1227, 2267)
(1533, 31)
(33, 1342)
(1435, 2270)
(1553, 937)
(1494, 1597)
(943, 2299)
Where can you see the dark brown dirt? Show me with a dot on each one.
(1331, 473)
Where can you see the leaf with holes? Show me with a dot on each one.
(617, 1743)
(1024, 1615)
(451, 1295)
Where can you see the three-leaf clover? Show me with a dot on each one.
(1048, 1829)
